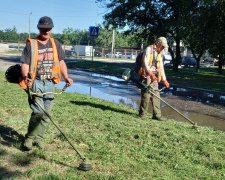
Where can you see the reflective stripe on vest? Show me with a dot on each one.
(55, 76)
(34, 55)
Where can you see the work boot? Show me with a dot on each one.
(142, 115)
(28, 144)
(40, 145)
(158, 118)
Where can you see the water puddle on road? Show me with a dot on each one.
(204, 108)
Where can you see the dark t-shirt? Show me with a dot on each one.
(45, 58)
(26, 55)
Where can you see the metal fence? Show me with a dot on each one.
(106, 52)
(116, 53)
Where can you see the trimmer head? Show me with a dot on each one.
(195, 126)
(85, 166)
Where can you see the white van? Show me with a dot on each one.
(167, 59)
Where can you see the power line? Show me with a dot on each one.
(14, 13)
(67, 4)
(52, 16)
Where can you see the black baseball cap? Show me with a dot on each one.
(45, 22)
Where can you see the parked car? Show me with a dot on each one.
(167, 59)
(116, 55)
(188, 61)
(13, 47)
(108, 55)
(206, 62)
(131, 55)
(70, 52)
(21, 48)
(98, 53)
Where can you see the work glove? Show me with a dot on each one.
(153, 77)
(166, 84)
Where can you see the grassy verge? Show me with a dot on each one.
(15, 52)
(118, 144)
(207, 78)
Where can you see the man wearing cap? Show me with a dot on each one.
(152, 72)
(43, 58)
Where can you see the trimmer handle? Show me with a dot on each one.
(64, 88)
(29, 75)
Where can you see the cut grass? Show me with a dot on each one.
(118, 144)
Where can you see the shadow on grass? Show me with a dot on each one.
(9, 136)
(103, 107)
(63, 164)
(5, 173)
(18, 160)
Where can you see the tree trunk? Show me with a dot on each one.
(197, 68)
(172, 54)
(220, 68)
(178, 57)
(197, 58)
(198, 64)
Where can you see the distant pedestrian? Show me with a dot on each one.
(152, 72)
(43, 57)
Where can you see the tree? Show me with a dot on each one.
(151, 19)
(194, 35)
(68, 36)
(217, 26)
(105, 35)
(177, 20)
(11, 35)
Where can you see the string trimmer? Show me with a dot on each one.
(129, 74)
(12, 75)
(84, 166)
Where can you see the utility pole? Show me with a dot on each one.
(113, 42)
(93, 48)
(142, 39)
(29, 24)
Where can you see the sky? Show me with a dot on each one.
(76, 14)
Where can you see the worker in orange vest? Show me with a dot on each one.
(152, 72)
(42, 57)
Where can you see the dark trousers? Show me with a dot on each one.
(146, 97)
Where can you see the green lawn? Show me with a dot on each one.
(118, 144)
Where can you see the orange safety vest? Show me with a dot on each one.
(55, 76)
(142, 73)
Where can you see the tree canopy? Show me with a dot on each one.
(72, 36)
(189, 21)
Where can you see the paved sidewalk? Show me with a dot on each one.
(109, 60)
(7, 61)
